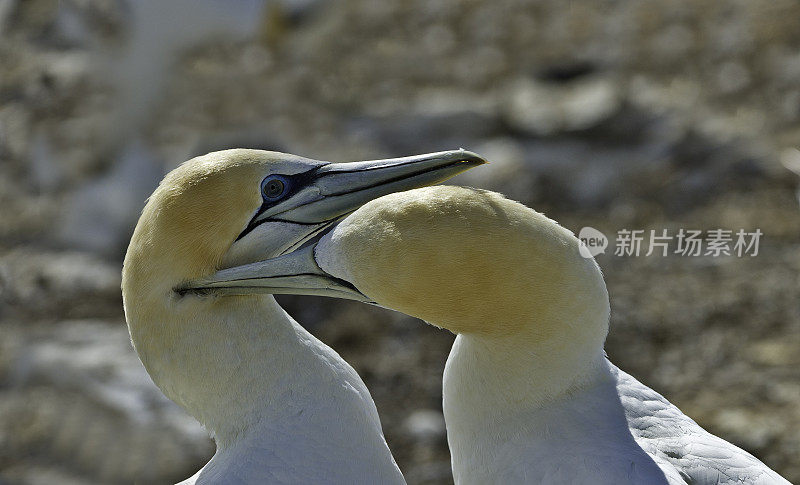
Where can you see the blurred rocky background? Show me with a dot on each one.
(615, 114)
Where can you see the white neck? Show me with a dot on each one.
(274, 397)
(493, 385)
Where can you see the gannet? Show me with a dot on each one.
(282, 406)
(529, 394)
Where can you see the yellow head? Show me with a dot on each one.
(235, 207)
(467, 260)
(192, 219)
(232, 209)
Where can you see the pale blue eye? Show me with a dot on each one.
(274, 187)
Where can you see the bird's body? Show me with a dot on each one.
(612, 430)
(301, 414)
(529, 395)
(283, 407)
(683, 450)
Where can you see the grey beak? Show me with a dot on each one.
(334, 189)
(328, 192)
(295, 273)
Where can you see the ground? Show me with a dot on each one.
(646, 115)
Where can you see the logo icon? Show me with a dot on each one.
(593, 242)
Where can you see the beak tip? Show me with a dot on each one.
(471, 158)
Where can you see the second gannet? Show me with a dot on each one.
(282, 406)
(529, 395)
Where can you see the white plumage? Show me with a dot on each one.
(309, 417)
(529, 395)
(615, 430)
(283, 407)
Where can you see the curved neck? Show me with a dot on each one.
(243, 366)
(276, 399)
(488, 380)
(493, 383)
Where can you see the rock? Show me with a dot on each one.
(58, 284)
(544, 109)
(78, 390)
(425, 425)
(100, 215)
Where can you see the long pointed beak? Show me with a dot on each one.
(295, 273)
(324, 195)
(334, 189)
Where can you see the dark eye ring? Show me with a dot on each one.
(272, 188)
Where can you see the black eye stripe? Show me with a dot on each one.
(292, 185)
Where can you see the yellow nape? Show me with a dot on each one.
(470, 261)
(185, 231)
(192, 218)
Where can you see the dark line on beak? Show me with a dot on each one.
(392, 180)
(204, 289)
(305, 178)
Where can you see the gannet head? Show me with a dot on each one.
(230, 209)
(464, 259)
(235, 207)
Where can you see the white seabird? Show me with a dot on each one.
(529, 395)
(282, 406)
